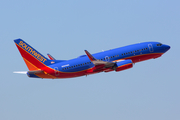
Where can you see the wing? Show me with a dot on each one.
(99, 64)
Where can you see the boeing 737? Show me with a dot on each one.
(111, 60)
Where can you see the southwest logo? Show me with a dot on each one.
(32, 51)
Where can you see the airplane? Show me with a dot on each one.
(117, 59)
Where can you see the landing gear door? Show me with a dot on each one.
(150, 48)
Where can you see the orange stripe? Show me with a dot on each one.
(30, 65)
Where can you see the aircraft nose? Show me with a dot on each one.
(167, 47)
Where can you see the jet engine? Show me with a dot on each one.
(123, 65)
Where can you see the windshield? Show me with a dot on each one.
(160, 44)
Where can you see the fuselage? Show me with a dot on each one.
(83, 66)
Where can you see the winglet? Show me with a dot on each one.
(89, 56)
(51, 57)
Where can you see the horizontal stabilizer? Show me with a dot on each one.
(51, 57)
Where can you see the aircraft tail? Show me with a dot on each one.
(33, 59)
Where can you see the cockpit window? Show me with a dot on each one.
(159, 44)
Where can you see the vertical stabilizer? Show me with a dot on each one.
(33, 59)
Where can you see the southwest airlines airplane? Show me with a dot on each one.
(111, 60)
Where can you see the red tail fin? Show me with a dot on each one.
(33, 59)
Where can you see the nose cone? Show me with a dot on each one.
(166, 47)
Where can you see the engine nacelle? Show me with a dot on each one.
(123, 65)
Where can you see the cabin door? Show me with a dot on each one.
(150, 47)
(107, 58)
(56, 71)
